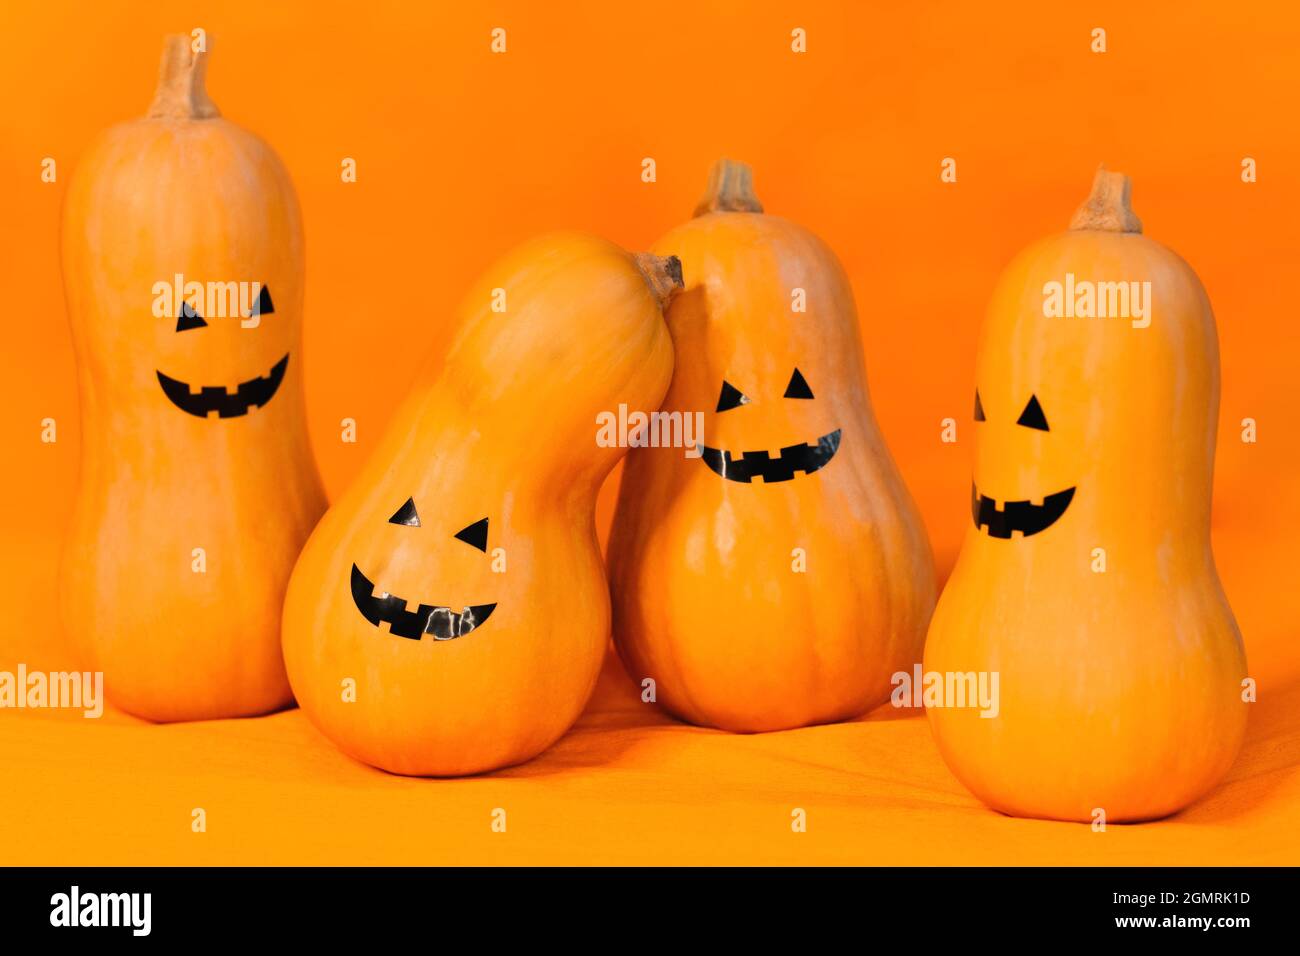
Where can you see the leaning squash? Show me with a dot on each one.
(450, 613)
(1086, 579)
(183, 269)
(781, 576)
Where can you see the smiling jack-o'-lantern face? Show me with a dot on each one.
(209, 399)
(438, 620)
(1024, 516)
(747, 465)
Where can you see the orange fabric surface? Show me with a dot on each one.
(626, 786)
(462, 154)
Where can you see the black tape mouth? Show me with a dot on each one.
(1023, 516)
(256, 392)
(440, 621)
(808, 457)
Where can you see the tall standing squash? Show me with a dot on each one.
(1086, 579)
(450, 613)
(783, 576)
(197, 484)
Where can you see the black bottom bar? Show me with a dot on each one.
(332, 905)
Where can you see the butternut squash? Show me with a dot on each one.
(197, 484)
(450, 614)
(1086, 580)
(783, 576)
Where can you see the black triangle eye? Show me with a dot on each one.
(189, 319)
(798, 387)
(730, 397)
(406, 515)
(263, 305)
(475, 534)
(979, 407)
(1032, 416)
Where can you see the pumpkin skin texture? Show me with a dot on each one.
(1119, 690)
(707, 601)
(185, 191)
(503, 429)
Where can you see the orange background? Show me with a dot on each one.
(462, 153)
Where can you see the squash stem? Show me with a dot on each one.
(731, 189)
(663, 275)
(1108, 208)
(181, 93)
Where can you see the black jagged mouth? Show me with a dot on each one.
(1023, 516)
(441, 622)
(254, 393)
(808, 457)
